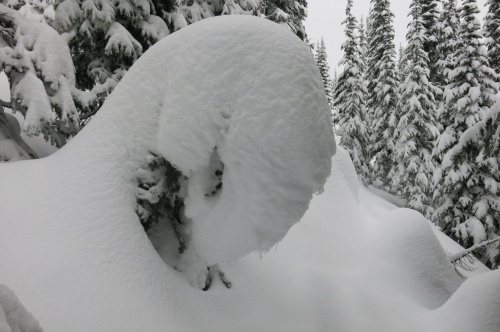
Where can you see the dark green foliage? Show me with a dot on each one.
(492, 34)
(430, 18)
(324, 69)
(159, 197)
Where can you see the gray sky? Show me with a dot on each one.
(325, 18)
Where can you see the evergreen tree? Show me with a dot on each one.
(412, 172)
(350, 101)
(430, 18)
(40, 70)
(383, 81)
(362, 43)
(447, 40)
(492, 34)
(291, 13)
(324, 69)
(468, 178)
(402, 64)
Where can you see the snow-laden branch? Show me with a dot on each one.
(459, 255)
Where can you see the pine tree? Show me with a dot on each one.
(106, 37)
(362, 43)
(402, 64)
(383, 82)
(430, 18)
(447, 41)
(324, 69)
(468, 176)
(40, 70)
(350, 101)
(492, 34)
(290, 13)
(413, 167)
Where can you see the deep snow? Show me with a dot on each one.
(74, 252)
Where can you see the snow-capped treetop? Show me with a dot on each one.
(322, 61)
(447, 40)
(430, 18)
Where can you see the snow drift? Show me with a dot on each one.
(73, 250)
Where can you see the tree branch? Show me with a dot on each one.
(459, 255)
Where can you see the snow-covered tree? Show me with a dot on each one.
(430, 18)
(492, 34)
(291, 13)
(106, 37)
(413, 167)
(350, 101)
(363, 45)
(382, 77)
(322, 61)
(467, 181)
(447, 40)
(402, 63)
(40, 70)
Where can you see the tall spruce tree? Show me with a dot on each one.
(350, 101)
(413, 167)
(430, 18)
(447, 41)
(402, 64)
(467, 190)
(363, 45)
(446, 48)
(492, 34)
(383, 80)
(322, 61)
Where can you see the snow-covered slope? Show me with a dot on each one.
(74, 252)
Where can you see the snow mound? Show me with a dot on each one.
(342, 163)
(13, 316)
(474, 307)
(244, 92)
(424, 269)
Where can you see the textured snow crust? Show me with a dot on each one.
(80, 260)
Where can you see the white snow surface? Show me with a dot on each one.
(80, 260)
